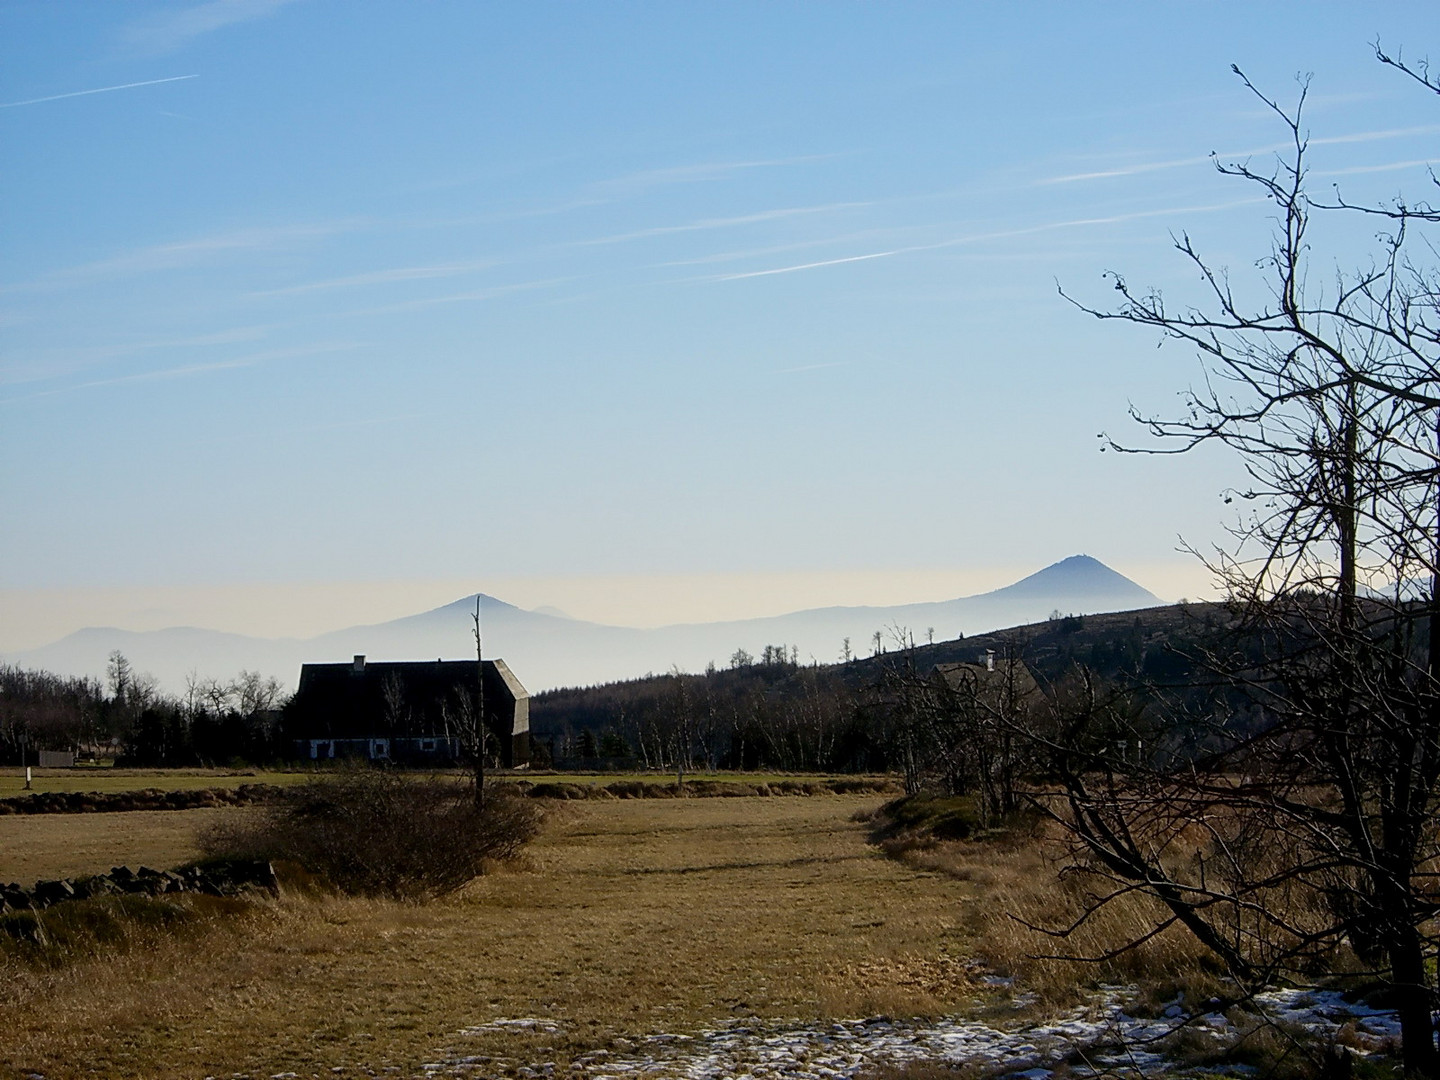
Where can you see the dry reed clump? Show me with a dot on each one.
(1037, 918)
(1044, 927)
(910, 984)
(377, 833)
(1273, 1050)
(103, 926)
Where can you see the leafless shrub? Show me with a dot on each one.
(380, 833)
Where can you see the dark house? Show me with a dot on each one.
(405, 711)
(1005, 686)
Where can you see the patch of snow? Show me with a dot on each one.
(532, 1023)
(1100, 1038)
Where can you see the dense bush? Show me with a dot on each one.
(377, 832)
(942, 817)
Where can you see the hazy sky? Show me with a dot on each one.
(304, 299)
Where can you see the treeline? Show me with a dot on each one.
(771, 712)
(765, 712)
(129, 719)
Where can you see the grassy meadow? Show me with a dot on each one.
(111, 780)
(38, 846)
(625, 918)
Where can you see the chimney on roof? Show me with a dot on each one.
(989, 659)
(359, 663)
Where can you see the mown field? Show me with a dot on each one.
(626, 918)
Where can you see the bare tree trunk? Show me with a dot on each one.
(477, 762)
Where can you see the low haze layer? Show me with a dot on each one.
(548, 650)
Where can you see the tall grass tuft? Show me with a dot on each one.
(374, 832)
(104, 926)
(1040, 922)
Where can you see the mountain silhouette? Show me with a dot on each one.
(1082, 578)
(547, 650)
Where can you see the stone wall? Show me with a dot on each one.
(228, 878)
(99, 802)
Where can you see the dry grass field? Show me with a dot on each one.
(109, 780)
(626, 918)
(39, 846)
(12, 780)
(1023, 886)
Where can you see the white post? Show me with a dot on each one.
(27, 777)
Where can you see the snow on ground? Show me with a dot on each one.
(1098, 1038)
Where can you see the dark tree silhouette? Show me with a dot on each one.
(1281, 843)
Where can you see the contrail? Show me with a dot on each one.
(827, 262)
(99, 90)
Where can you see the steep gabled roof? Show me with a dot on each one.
(518, 692)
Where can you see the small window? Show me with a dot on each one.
(427, 745)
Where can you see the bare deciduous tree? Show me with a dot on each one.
(1281, 845)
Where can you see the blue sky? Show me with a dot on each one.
(311, 294)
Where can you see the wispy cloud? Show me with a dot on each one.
(1177, 163)
(174, 30)
(722, 223)
(816, 265)
(458, 298)
(97, 90)
(183, 371)
(811, 367)
(698, 173)
(383, 277)
(308, 429)
(1394, 166)
(1374, 136)
(612, 190)
(1124, 170)
(976, 238)
(779, 249)
(180, 253)
(51, 364)
(503, 216)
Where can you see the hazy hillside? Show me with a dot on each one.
(548, 650)
(1140, 647)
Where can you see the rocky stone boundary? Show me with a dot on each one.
(100, 802)
(640, 789)
(227, 878)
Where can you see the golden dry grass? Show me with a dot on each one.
(654, 777)
(111, 780)
(1019, 885)
(36, 846)
(12, 780)
(627, 918)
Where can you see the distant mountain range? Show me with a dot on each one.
(547, 649)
